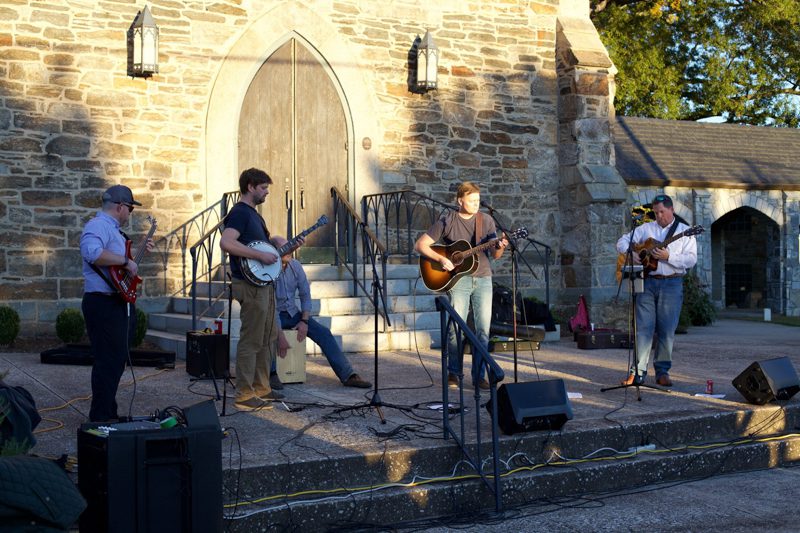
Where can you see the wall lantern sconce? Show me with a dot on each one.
(427, 64)
(143, 46)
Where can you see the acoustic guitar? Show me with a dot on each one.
(645, 250)
(463, 257)
(261, 274)
(121, 279)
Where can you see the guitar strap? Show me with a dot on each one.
(672, 229)
(102, 275)
(478, 232)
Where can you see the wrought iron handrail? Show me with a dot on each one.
(199, 230)
(391, 210)
(450, 318)
(399, 216)
(348, 230)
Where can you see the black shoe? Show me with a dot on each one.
(275, 382)
(356, 381)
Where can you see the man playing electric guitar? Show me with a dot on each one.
(467, 224)
(110, 319)
(658, 308)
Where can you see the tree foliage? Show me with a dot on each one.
(694, 59)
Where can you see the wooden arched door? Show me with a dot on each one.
(292, 125)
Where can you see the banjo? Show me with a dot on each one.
(260, 274)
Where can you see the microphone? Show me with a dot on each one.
(487, 206)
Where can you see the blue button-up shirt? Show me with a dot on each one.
(100, 233)
(293, 281)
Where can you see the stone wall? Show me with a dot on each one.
(72, 123)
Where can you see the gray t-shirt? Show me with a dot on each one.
(451, 228)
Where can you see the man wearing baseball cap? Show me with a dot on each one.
(110, 320)
(658, 307)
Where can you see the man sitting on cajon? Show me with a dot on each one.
(292, 283)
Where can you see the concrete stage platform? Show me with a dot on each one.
(324, 445)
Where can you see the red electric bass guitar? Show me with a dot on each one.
(121, 279)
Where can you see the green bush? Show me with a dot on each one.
(697, 307)
(141, 327)
(70, 325)
(9, 325)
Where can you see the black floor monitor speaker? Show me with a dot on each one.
(532, 406)
(765, 381)
(207, 355)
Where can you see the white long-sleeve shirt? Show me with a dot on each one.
(682, 252)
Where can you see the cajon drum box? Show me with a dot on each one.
(292, 368)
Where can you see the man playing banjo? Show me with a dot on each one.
(261, 334)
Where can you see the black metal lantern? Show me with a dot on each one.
(427, 64)
(143, 45)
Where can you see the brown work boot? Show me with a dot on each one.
(664, 380)
(356, 381)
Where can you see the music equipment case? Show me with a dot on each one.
(601, 339)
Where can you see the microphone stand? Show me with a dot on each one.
(514, 268)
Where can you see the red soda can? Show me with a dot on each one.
(218, 327)
(710, 386)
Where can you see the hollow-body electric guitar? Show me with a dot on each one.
(261, 274)
(645, 250)
(464, 259)
(121, 279)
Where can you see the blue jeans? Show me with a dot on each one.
(323, 338)
(478, 292)
(658, 310)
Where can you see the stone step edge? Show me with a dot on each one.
(398, 504)
(676, 431)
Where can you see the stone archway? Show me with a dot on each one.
(241, 64)
(746, 251)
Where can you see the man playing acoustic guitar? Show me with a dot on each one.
(467, 224)
(658, 308)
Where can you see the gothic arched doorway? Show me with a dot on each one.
(292, 125)
(746, 252)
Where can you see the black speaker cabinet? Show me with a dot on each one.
(765, 381)
(150, 480)
(532, 406)
(207, 355)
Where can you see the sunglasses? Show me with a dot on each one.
(130, 207)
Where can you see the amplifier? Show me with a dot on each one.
(138, 479)
(207, 354)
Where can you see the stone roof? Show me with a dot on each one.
(652, 152)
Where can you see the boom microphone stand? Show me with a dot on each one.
(514, 270)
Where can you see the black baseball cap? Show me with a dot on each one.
(119, 194)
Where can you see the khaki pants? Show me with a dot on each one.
(258, 339)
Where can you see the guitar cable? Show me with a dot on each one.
(128, 357)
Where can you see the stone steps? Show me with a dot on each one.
(363, 490)
(413, 317)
